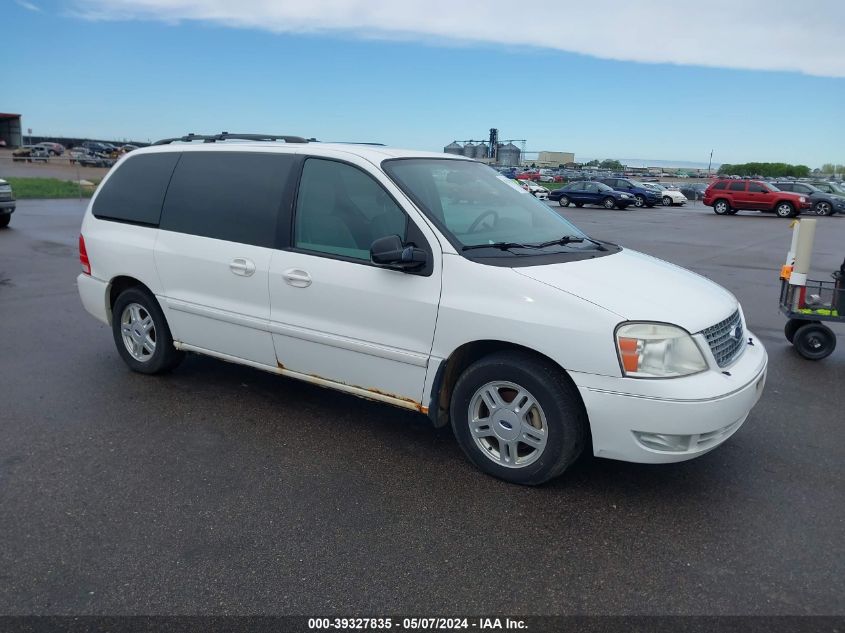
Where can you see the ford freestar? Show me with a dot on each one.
(427, 281)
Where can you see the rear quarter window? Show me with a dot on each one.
(720, 185)
(737, 186)
(135, 191)
(232, 196)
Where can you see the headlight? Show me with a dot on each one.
(625, 195)
(802, 199)
(657, 350)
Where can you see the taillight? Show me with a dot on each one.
(83, 256)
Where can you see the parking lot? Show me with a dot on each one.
(220, 489)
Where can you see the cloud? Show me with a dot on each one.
(28, 6)
(780, 35)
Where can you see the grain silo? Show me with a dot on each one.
(469, 150)
(481, 150)
(454, 148)
(509, 155)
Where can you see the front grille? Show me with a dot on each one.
(726, 339)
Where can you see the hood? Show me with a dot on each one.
(639, 287)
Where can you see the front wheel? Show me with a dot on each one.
(141, 333)
(667, 201)
(639, 201)
(564, 201)
(823, 208)
(785, 210)
(814, 341)
(4, 220)
(609, 203)
(518, 417)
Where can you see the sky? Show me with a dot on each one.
(754, 80)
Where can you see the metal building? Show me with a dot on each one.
(509, 155)
(454, 148)
(481, 150)
(10, 129)
(469, 150)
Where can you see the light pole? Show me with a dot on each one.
(710, 162)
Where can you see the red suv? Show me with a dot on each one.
(729, 196)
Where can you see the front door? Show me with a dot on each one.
(336, 318)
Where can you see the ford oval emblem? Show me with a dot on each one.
(736, 333)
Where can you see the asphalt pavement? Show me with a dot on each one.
(220, 489)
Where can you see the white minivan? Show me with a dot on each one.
(423, 280)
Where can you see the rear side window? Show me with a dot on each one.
(737, 186)
(232, 196)
(135, 191)
(756, 188)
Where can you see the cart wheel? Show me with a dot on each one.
(814, 341)
(792, 326)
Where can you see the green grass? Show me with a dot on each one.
(26, 188)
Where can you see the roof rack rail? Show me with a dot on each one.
(224, 136)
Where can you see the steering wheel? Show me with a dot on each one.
(477, 221)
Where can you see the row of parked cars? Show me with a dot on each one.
(611, 193)
(89, 154)
(786, 199)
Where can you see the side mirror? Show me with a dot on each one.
(390, 252)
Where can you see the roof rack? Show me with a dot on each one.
(224, 136)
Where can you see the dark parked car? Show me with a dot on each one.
(821, 202)
(829, 187)
(7, 203)
(694, 190)
(589, 192)
(643, 197)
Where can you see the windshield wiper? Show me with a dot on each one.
(571, 239)
(502, 246)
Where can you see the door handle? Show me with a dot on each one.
(297, 278)
(242, 266)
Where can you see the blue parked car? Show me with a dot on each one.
(643, 197)
(584, 192)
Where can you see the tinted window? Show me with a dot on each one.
(737, 186)
(232, 196)
(575, 186)
(341, 210)
(720, 185)
(756, 188)
(135, 191)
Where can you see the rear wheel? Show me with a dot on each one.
(721, 207)
(564, 201)
(518, 417)
(609, 203)
(579, 204)
(823, 208)
(667, 201)
(785, 210)
(814, 341)
(141, 333)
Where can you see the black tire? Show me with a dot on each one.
(785, 210)
(667, 201)
(608, 203)
(823, 208)
(165, 357)
(579, 204)
(721, 207)
(4, 220)
(566, 419)
(733, 211)
(639, 201)
(814, 341)
(792, 326)
(564, 201)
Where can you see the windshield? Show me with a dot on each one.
(473, 205)
(836, 188)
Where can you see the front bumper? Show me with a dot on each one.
(7, 206)
(672, 420)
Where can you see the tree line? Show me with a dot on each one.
(767, 170)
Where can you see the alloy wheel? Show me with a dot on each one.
(138, 332)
